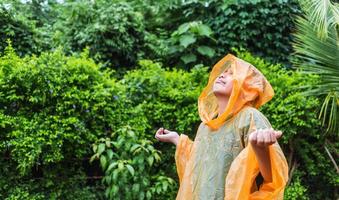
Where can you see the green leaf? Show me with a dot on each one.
(134, 147)
(115, 174)
(183, 28)
(103, 162)
(120, 166)
(130, 169)
(206, 51)
(150, 161)
(108, 143)
(188, 58)
(95, 156)
(101, 148)
(95, 148)
(111, 166)
(186, 40)
(204, 30)
(110, 154)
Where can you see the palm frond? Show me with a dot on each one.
(317, 48)
(318, 56)
(323, 13)
(330, 109)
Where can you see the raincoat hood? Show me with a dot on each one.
(250, 87)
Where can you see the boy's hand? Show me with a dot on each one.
(165, 135)
(264, 137)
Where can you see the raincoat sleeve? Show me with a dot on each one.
(240, 181)
(182, 154)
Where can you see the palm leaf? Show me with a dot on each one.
(316, 45)
(323, 13)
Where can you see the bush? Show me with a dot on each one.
(158, 97)
(114, 32)
(52, 108)
(262, 27)
(21, 31)
(296, 191)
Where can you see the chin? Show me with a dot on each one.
(219, 93)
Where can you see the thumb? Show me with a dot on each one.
(166, 131)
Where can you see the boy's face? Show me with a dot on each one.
(223, 85)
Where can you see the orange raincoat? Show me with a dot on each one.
(220, 163)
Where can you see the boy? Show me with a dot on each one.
(220, 164)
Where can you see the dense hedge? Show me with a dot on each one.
(52, 108)
(262, 27)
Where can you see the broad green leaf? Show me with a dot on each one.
(130, 169)
(95, 148)
(188, 58)
(111, 166)
(101, 148)
(186, 40)
(183, 28)
(204, 30)
(206, 51)
(150, 161)
(110, 153)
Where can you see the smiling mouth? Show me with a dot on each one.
(221, 82)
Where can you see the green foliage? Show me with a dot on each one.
(114, 32)
(190, 43)
(317, 50)
(158, 97)
(128, 162)
(22, 194)
(52, 107)
(168, 97)
(21, 31)
(262, 27)
(52, 102)
(296, 191)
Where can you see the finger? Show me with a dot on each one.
(278, 134)
(159, 132)
(272, 137)
(260, 138)
(164, 138)
(156, 136)
(253, 137)
(166, 131)
(267, 136)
